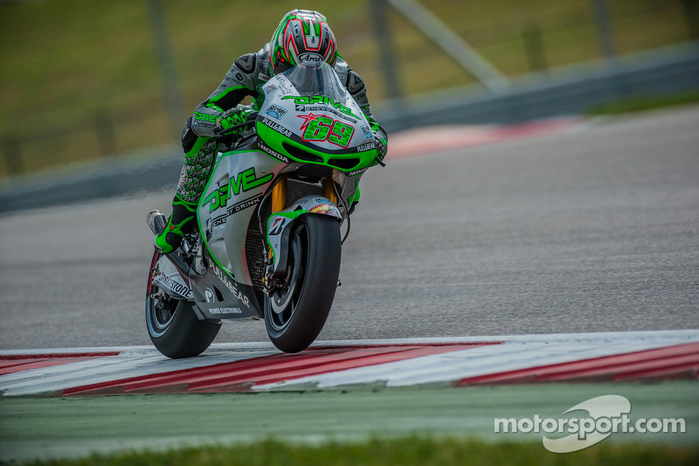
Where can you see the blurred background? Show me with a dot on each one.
(82, 80)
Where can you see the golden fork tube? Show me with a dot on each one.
(279, 195)
(328, 190)
(278, 198)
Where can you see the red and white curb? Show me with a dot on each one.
(245, 367)
(431, 139)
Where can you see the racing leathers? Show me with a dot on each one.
(221, 109)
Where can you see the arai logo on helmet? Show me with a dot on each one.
(310, 59)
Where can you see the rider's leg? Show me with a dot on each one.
(200, 153)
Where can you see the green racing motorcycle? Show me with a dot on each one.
(268, 242)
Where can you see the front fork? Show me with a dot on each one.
(279, 193)
(278, 201)
(329, 190)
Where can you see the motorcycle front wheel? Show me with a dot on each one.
(172, 325)
(296, 313)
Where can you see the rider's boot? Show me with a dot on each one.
(182, 222)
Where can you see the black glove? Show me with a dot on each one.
(381, 147)
(381, 143)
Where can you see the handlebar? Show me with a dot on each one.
(220, 133)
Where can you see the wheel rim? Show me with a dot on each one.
(283, 301)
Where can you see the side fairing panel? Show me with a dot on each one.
(238, 183)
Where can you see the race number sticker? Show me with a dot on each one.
(318, 128)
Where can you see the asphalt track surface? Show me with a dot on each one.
(595, 230)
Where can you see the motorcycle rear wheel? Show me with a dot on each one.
(295, 315)
(172, 325)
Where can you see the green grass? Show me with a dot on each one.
(418, 451)
(62, 62)
(74, 427)
(644, 103)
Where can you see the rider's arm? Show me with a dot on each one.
(238, 83)
(357, 89)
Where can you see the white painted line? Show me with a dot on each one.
(106, 369)
(515, 352)
(490, 359)
(681, 336)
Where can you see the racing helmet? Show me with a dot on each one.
(303, 37)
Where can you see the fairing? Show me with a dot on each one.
(339, 145)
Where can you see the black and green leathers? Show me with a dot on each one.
(182, 221)
(247, 76)
(221, 110)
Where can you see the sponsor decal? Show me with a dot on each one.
(277, 127)
(300, 108)
(320, 99)
(276, 112)
(367, 132)
(172, 285)
(225, 310)
(357, 172)
(323, 209)
(229, 284)
(234, 209)
(269, 88)
(245, 181)
(276, 222)
(204, 117)
(311, 58)
(277, 227)
(325, 108)
(285, 86)
(199, 172)
(209, 295)
(263, 77)
(366, 147)
(268, 150)
(194, 185)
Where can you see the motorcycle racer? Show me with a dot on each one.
(303, 37)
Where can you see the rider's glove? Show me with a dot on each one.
(233, 117)
(381, 147)
(381, 141)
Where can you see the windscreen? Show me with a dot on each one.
(317, 80)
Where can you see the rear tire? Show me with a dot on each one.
(299, 312)
(173, 326)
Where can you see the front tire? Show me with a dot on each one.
(173, 326)
(295, 315)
